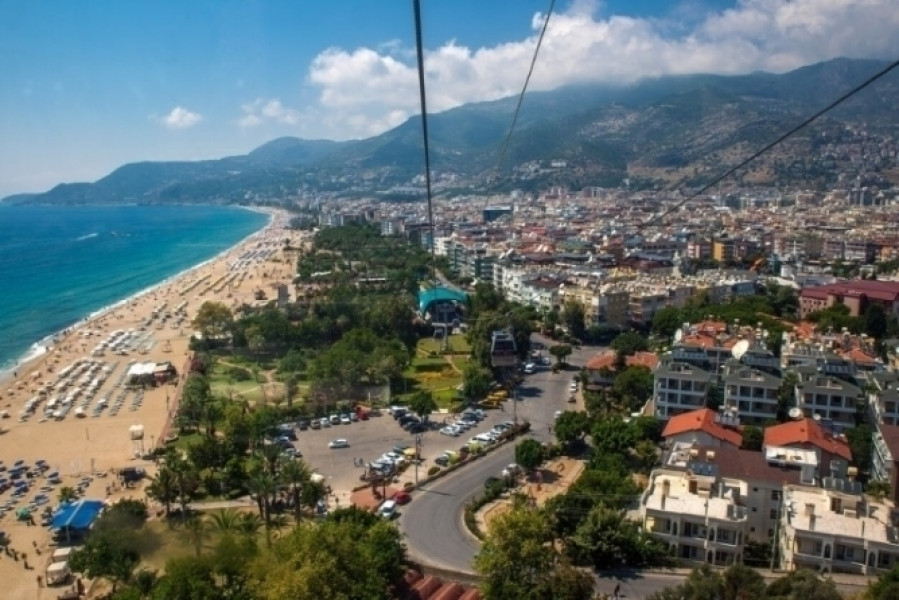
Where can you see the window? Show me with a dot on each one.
(776, 495)
(755, 489)
(772, 514)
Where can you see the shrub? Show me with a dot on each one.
(239, 374)
(433, 471)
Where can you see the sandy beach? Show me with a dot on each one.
(70, 407)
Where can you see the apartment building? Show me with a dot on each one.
(826, 397)
(751, 393)
(696, 513)
(856, 295)
(885, 457)
(835, 529)
(679, 387)
(883, 398)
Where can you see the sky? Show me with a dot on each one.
(88, 86)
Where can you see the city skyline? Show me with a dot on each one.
(89, 88)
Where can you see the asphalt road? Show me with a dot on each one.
(433, 522)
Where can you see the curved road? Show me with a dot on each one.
(433, 522)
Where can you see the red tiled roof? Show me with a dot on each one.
(806, 431)
(702, 419)
(606, 360)
(875, 289)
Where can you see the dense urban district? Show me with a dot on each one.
(736, 410)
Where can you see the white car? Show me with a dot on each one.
(338, 443)
(530, 368)
(573, 386)
(387, 509)
(450, 430)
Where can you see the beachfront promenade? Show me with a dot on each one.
(72, 408)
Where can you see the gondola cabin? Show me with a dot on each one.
(502, 350)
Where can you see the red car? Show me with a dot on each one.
(402, 497)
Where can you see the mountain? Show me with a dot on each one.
(657, 132)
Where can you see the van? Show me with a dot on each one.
(62, 554)
(58, 573)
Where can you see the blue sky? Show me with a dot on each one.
(88, 86)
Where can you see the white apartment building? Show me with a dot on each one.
(832, 531)
(696, 514)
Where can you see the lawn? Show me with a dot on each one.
(456, 344)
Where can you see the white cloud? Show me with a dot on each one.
(261, 111)
(364, 91)
(180, 118)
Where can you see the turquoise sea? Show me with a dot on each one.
(58, 265)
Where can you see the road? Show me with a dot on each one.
(433, 522)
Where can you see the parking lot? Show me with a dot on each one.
(370, 439)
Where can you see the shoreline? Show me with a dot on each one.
(42, 346)
(82, 412)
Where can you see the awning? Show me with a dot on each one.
(77, 515)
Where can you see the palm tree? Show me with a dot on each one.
(262, 486)
(163, 489)
(144, 581)
(195, 533)
(295, 474)
(271, 456)
(276, 523)
(67, 494)
(250, 524)
(226, 520)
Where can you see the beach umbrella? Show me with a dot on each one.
(23, 513)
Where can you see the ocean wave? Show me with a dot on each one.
(86, 237)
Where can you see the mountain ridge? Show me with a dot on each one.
(653, 133)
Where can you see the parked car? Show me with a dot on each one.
(407, 425)
(303, 424)
(387, 509)
(417, 428)
(354, 417)
(442, 460)
(315, 424)
(345, 419)
(402, 497)
(530, 368)
(450, 431)
(338, 443)
(325, 422)
(335, 419)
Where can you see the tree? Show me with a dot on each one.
(422, 403)
(647, 453)
(67, 494)
(213, 320)
(628, 344)
(560, 352)
(786, 395)
(516, 555)
(570, 426)
(666, 321)
(612, 436)
(163, 489)
(195, 532)
(752, 438)
(529, 454)
(875, 321)
(295, 474)
(608, 539)
(475, 381)
(564, 582)
(345, 556)
(108, 555)
(743, 583)
(633, 387)
(187, 578)
(803, 585)
(860, 445)
(573, 315)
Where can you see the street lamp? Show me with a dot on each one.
(417, 456)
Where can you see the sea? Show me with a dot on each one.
(60, 265)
